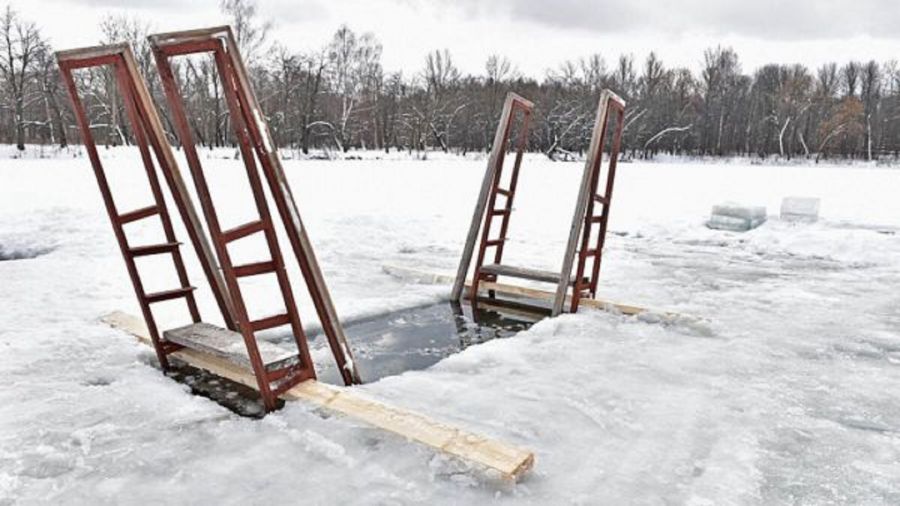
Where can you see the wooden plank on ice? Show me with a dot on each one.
(502, 288)
(535, 293)
(510, 461)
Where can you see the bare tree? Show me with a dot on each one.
(251, 33)
(354, 63)
(21, 42)
(49, 81)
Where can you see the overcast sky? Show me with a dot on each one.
(534, 34)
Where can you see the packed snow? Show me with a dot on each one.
(781, 388)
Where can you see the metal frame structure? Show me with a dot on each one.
(255, 143)
(584, 217)
(489, 191)
(149, 134)
(580, 242)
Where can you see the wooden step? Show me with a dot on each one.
(229, 345)
(523, 273)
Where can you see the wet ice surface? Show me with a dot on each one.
(785, 392)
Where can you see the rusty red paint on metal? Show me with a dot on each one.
(254, 145)
(585, 252)
(140, 128)
(584, 286)
(526, 109)
(265, 379)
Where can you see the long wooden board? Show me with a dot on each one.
(510, 461)
(535, 293)
(418, 276)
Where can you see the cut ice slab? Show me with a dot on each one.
(802, 209)
(736, 218)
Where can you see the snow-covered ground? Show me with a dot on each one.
(784, 392)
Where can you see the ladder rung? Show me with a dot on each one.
(138, 214)
(494, 242)
(244, 230)
(169, 294)
(600, 199)
(254, 269)
(270, 322)
(499, 212)
(505, 193)
(592, 253)
(154, 249)
(597, 219)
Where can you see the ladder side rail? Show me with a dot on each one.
(608, 192)
(584, 193)
(584, 251)
(497, 148)
(290, 216)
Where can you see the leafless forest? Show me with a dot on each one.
(339, 98)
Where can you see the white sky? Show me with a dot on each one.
(534, 34)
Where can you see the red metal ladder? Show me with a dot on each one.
(255, 144)
(272, 381)
(585, 218)
(582, 223)
(147, 130)
(513, 105)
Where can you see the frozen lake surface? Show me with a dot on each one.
(782, 391)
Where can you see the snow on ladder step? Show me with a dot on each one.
(522, 272)
(229, 345)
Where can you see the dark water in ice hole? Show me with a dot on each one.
(385, 345)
